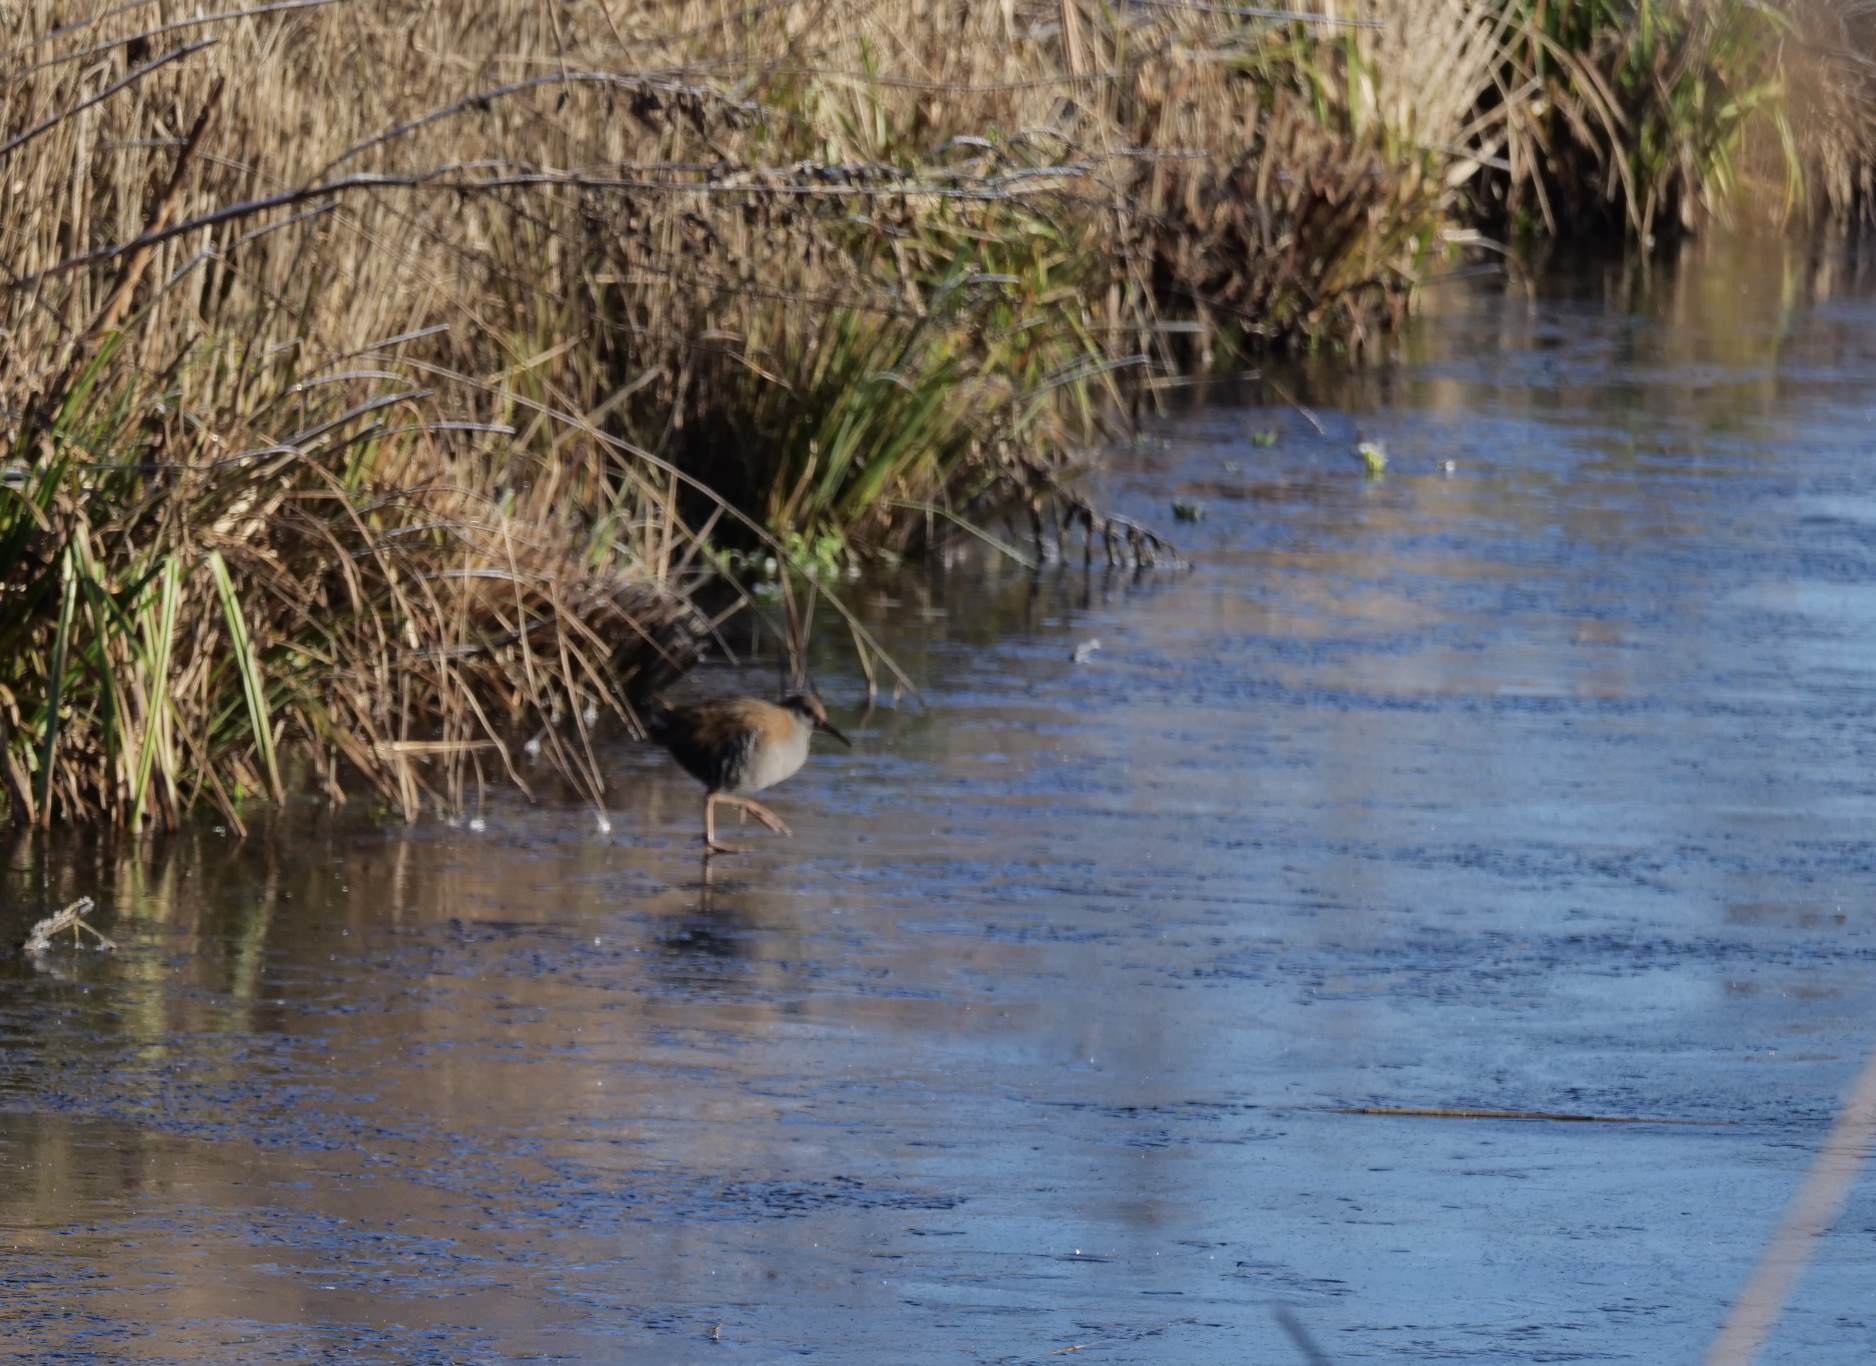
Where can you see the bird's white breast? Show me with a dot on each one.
(775, 757)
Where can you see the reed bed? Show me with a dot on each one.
(383, 384)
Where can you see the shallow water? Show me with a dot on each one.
(1543, 782)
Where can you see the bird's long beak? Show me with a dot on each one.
(834, 731)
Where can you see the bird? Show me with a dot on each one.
(739, 745)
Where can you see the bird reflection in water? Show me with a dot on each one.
(706, 946)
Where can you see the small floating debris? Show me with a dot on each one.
(1373, 456)
(1085, 651)
(1448, 466)
(1187, 511)
(71, 918)
(1267, 437)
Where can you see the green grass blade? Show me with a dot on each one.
(108, 625)
(159, 638)
(55, 682)
(252, 681)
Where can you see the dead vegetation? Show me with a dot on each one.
(382, 382)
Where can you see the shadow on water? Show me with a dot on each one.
(1533, 776)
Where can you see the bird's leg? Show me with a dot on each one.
(759, 811)
(710, 825)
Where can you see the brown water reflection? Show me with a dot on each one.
(1538, 783)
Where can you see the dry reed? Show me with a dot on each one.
(381, 383)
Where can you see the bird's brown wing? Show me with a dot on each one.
(712, 740)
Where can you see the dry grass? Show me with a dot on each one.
(1830, 61)
(370, 372)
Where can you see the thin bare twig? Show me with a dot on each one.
(136, 262)
(89, 21)
(46, 125)
(197, 22)
(39, 939)
(1308, 416)
(1442, 1112)
(444, 179)
(1286, 15)
(483, 98)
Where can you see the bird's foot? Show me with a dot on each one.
(773, 821)
(716, 847)
(763, 814)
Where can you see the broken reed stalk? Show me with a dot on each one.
(134, 263)
(39, 938)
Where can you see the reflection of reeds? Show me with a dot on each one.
(365, 373)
